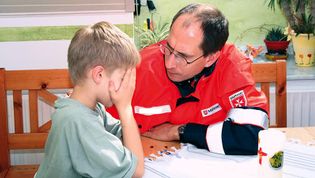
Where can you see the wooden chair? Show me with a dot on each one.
(274, 72)
(37, 84)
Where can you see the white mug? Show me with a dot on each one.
(270, 153)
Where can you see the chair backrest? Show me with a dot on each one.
(274, 72)
(37, 84)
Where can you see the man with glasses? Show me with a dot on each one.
(195, 88)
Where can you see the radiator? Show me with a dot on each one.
(300, 111)
(301, 108)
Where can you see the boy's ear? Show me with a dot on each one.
(211, 58)
(98, 73)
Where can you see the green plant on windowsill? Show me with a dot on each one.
(276, 34)
(273, 35)
(276, 42)
(300, 14)
(306, 26)
(261, 30)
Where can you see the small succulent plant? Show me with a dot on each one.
(276, 34)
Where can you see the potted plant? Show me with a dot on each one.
(276, 43)
(300, 15)
(303, 40)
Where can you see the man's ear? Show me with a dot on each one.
(98, 73)
(211, 58)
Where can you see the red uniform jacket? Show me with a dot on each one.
(230, 85)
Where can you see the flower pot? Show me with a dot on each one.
(277, 45)
(304, 49)
(276, 49)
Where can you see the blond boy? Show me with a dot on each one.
(84, 140)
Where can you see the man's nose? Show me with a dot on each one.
(171, 61)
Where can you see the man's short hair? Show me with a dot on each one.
(214, 25)
(100, 44)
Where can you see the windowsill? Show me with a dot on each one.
(293, 71)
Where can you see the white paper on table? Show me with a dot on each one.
(191, 162)
(299, 161)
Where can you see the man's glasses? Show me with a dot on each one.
(180, 59)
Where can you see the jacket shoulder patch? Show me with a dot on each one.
(238, 99)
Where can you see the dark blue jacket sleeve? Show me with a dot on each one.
(237, 136)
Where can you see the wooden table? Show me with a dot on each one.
(304, 134)
(151, 146)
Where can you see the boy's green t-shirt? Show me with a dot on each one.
(85, 143)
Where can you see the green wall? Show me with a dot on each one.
(47, 33)
(242, 15)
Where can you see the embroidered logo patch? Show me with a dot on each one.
(238, 99)
(211, 110)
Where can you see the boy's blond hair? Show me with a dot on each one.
(100, 44)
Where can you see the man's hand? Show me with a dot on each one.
(164, 132)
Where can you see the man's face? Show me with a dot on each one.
(184, 41)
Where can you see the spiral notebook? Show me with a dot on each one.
(299, 160)
(191, 162)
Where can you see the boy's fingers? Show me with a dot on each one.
(127, 78)
(127, 75)
(111, 88)
(133, 75)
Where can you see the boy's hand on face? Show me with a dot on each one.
(123, 95)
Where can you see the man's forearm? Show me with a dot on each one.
(194, 134)
(237, 135)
